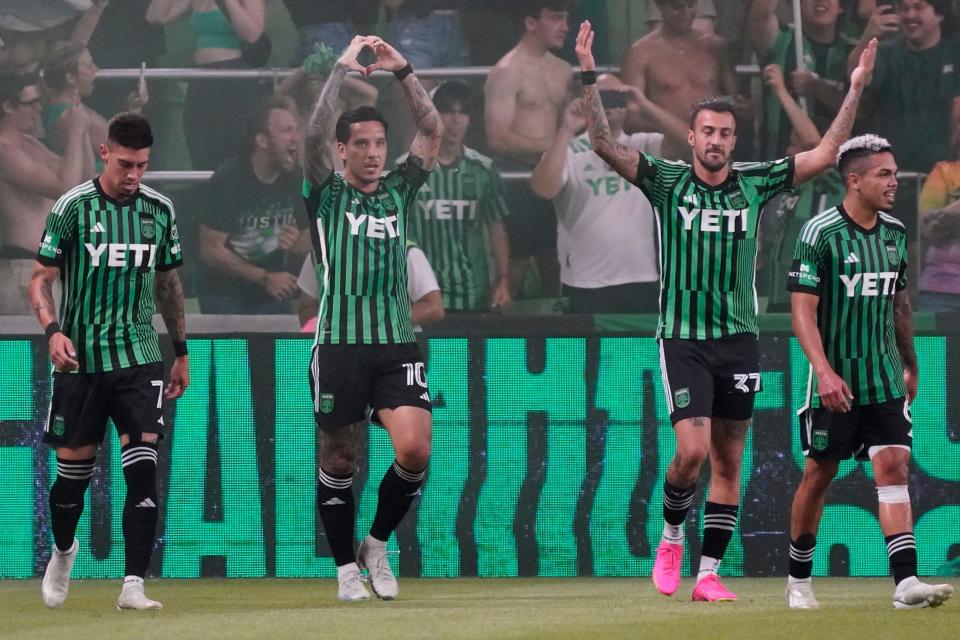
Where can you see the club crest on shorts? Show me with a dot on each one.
(681, 397)
(819, 439)
(57, 426)
(326, 402)
(148, 228)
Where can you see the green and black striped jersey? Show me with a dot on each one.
(360, 244)
(453, 210)
(708, 244)
(855, 272)
(107, 252)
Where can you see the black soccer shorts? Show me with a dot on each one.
(352, 382)
(711, 378)
(132, 397)
(830, 435)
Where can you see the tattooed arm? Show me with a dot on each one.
(318, 162)
(814, 162)
(168, 294)
(624, 160)
(426, 144)
(62, 352)
(903, 328)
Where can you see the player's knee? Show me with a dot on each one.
(338, 460)
(690, 457)
(891, 465)
(818, 477)
(414, 456)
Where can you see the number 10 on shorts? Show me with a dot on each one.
(416, 373)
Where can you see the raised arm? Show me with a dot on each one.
(624, 160)
(903, 329)
(247, 17)
(87, 23)
(547, 178)
(763, 25)
(317, 161)
(806, 130)
(426, 144)
(33, 173)
(883, 20)
(824, 155)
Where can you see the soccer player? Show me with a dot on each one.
(365, 353)
(114, 246)
(708, 216)
(853, 319)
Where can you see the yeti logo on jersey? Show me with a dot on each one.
(117, 254)
(893, 254)
(50, 245)
(682, 398)
(715, 220)
(870, 285)
(148, 228)
(326, 402)
(448, 209)
(374, 227)
(819, 439)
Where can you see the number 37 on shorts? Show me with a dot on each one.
(747, 382)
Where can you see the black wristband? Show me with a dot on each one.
(52, 328)
(588, 78)
(403, 73)
(180, 348)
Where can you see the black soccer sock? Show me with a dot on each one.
(139, 462)
(676, 502)
(397, 490)
(719, 521)
(801, 556)
(66, 499)
(337, 506)
(902, 549)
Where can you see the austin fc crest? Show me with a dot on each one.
(893, 254)
(57, 427)
(326, 402)
(738, 200)
(819, 439)
(148, 228)
(682, 398)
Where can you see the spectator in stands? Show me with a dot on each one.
(428, 33)
(303, 86)
(332, 23)
(787, 212)
(676, 65)
(213, 107)
(526, 92)
(706, 19)
(426, 303)
(31, 178)
(605, 237)
(940, 229)
(462, 199)
(821, 83)
(28, 26)
(917, 75)
(69, 73)
(250, 243)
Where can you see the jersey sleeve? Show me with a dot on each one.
(493, 200)
(170, 256)
(902, 271)
(769, 178)
(806, 272)
(58, 233)
(648, 171)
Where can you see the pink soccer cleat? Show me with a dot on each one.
(666, 568)
(710, 589)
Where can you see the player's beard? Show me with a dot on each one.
(713, 165)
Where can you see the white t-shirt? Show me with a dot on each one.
(420, 278)
(606, 232)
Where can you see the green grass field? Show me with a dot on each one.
(487, 609)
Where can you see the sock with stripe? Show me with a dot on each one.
(397, 490)
(336, 506)
(719, 521)
(139, 462)
(676, 503)
(66, 499)
(902, 550)
(801, 557)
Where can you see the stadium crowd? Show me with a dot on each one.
(564, 232)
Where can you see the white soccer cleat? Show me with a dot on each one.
(913, 594)
(351, 589)
(372, 556)
(800, 595)
(56, 579)
(133, 597)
